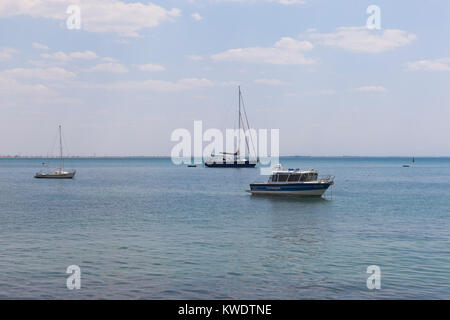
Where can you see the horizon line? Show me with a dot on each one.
(168, 157)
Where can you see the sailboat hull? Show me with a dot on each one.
(234, 164)
(64, 175)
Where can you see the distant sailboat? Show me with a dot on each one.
(407, 165)
(59, 173)
(233, 160)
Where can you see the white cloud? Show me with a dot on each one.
(157, 85)
(284, 52)
(88, 55)
(375, 89)
(284, 2)
(27, 83)
(323, 92)
(150, 67)
(40, 46)
(289, 51)
(64, 57)
(271, 82)
(361, 39)
(195, 57)
(288, 2)
(10, 86)
(123, 18)
(442, 64)
(111, 67)
(196, 16)
(195, 82)
(7, 53)
(109, 59)
(61, 56)
(53, 73)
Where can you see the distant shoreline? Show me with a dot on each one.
(168, 157)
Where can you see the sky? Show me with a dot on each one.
(135, 71)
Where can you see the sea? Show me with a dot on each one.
(145, 228)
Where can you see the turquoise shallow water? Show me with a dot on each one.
(144, 228)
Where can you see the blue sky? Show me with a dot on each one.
(136, 71)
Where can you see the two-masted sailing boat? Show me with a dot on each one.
(234, 160)
(59, 173)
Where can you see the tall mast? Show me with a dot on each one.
(239, 137)
(60, 149)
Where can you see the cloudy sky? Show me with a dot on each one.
(136, 71)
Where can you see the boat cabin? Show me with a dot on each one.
(293, 176)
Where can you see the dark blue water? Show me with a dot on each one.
(144, 228)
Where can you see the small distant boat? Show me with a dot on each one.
(292, 182)
(234, 160)
(192, 165)
(407, 165)
(59, 173)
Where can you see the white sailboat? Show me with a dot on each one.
(234, 159)
(59, 173)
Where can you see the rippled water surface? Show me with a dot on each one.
(144, 228)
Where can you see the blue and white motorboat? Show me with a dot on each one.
(293, 182)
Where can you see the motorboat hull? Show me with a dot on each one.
(290, 189)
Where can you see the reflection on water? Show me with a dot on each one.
(287, 199)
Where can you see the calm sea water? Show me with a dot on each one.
(144, 228)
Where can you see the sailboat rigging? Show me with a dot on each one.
(233, 159)
(59, 173)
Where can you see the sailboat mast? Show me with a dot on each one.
(239, 137)
(60, 149)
